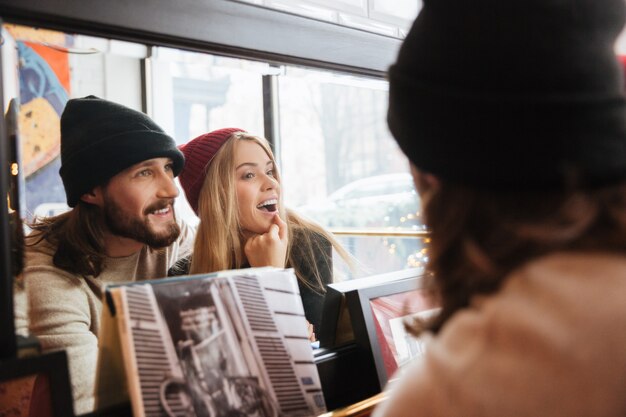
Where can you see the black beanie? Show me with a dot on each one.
(100, 138)
(510, 94)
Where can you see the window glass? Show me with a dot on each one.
(340, 164)
(380, 254)
(342, 168)
(194, 93)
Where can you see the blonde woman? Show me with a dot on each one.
(232, 183)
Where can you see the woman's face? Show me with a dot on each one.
(258, 191)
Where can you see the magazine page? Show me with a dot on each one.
(226, 344)
(289, 338)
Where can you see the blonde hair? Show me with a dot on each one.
(219, 238)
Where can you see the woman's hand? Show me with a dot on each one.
(270, 248)
(311, 331)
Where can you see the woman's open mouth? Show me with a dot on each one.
(270, 205)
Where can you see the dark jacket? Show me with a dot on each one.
(312, 296)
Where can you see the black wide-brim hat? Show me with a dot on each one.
(512, 94)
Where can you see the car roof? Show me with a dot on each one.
(377, 179)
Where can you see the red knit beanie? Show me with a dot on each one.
(198, 155)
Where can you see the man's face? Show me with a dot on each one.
(138, 203)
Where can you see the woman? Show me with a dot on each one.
(232, 183)
(515, 127)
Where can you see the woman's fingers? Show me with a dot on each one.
(273, 233)
(282, 227)
(311, 331)
(270, 248)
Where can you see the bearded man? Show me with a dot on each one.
(118, 170)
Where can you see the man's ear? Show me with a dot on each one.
(425, 182)
(93, 197)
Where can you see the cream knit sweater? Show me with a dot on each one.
(551, 342)
(64, 309)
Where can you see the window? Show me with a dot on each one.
(340, 166)
(194, 93)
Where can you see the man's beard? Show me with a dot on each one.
(139, 229)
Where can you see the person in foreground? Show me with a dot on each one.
(118, 170)
(232, 183)
(512, 115)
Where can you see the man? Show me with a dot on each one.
(118, 170)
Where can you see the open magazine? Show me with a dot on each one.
(233, 343)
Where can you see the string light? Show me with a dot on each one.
(417, 259)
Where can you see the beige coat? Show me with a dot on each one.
(64, 309)
(551, 343)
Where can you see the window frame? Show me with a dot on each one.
(222, 27)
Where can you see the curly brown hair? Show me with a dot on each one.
(479, 237)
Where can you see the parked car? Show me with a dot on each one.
(388, 200)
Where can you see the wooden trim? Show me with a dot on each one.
(53, 366)
(373, 232)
